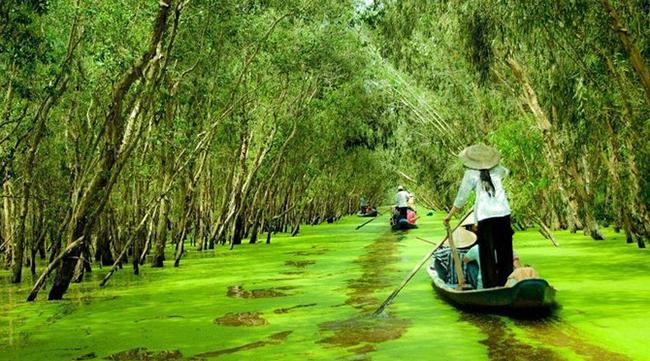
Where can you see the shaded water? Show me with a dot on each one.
(310, 298)
(358, 333)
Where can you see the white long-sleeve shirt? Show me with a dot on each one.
(402, 198)
(484, 206)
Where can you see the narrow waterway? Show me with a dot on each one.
(311, 298)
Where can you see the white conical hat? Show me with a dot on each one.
(463, 238)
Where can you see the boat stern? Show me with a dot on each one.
(533, 293)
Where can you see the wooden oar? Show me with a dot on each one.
(425, 240)
(415, 270)
(456, 258)
(368, 221)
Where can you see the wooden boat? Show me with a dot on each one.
(372, 213)
(397, 223)
(530, 297)
(403, 224)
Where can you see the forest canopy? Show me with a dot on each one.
(132, 132)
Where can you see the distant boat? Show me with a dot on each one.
(404, 223)
(530, 297)
(371, 213)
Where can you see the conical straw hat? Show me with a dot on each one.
(480, 156)
(463, 238)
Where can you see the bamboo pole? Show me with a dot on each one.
(415, 270)
(454, 254)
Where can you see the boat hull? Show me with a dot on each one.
(403, 224)
(369, 214)
(531, 297)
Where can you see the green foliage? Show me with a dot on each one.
(275, 112)
(453, 62)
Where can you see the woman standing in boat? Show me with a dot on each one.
(484, 176)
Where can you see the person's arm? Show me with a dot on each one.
(503, 172)
(451, 213)
(516, 263)
(461, 197)
(466, 259)
(470, 255)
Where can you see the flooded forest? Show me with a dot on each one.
(192, 179)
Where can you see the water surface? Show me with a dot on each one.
(311, 297)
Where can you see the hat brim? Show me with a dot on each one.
(490, 160)
(463, 238)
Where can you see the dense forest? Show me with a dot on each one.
(131, 132)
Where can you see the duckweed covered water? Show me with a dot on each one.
(310, 298)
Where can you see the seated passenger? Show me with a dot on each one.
(443, 260)
(411, 202)
(394, 219)
(520, 273)
(517, 275)
(472, 256)
(363, 205)
(411, 217)
(370, 210)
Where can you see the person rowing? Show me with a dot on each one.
(401, 198)
(363, 205)
(484, 175)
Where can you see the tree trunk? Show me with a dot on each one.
(59, 85)
(551, 151)
(632, 51)
(161, 229)
(97, 192)
(103, 247)
(296, 228)
(626, 197)
(7, 219)
(591, 225)
(238, 232)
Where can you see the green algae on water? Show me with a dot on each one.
(238, 291)
(322, 311)
(300, 264)
(242, 319)
(271, 340)
(142, 354)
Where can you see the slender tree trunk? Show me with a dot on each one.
(632, 50)
(552, 151)
(591, 225)
(631, 212)
(7, 219)
(5, 180)
(97, 192)
(235, 195)
(254, 230)
(163, 215)
(103, 248)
